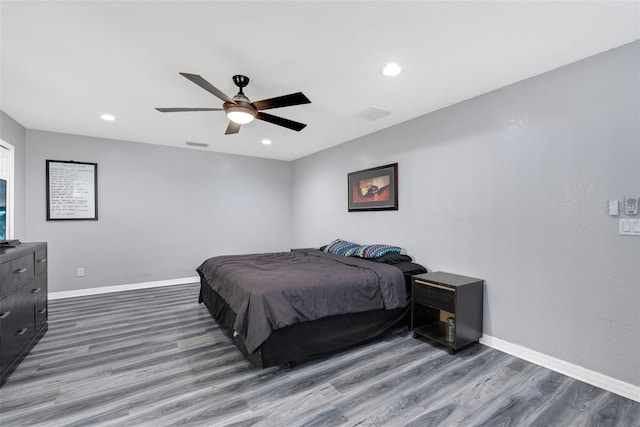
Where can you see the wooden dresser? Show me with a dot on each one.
(23, 303)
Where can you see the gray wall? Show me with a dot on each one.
(161, 210)
(13, 133)
(512, 187)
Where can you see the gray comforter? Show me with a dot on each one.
(270, 291)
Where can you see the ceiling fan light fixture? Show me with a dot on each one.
(240, 117)
(240, 114)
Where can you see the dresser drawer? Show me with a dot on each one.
(37, 287)
(435, 296)
(41, 314)
(38, 290)
(16, 324)
(16, 272)
(41, 261)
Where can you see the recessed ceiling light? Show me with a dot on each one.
(391, 69)
(108, 117)
(266, 141)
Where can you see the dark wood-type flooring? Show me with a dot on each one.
(156, 358)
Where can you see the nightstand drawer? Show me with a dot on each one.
(434, 296)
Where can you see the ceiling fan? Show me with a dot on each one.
(240, 110)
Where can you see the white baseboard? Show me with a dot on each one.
(569, 369)
(120, 288)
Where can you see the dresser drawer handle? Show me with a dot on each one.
(43, 311)
(36, 290)
(22, 270)
(5, 315)
(41, 261)
(22, 331)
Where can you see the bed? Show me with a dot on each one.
(288, 307)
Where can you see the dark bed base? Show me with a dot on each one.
(307, 340)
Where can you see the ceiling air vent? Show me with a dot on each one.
(196, 144)
(372, 113)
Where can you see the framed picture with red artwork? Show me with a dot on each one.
(374, 189)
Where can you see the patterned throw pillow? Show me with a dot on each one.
(352, 251)
(340, 247)
(375, 251)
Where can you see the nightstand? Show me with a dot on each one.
(439, 296)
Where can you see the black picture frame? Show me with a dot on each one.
(72, 190)
(374, 189)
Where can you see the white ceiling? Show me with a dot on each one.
(65, 63)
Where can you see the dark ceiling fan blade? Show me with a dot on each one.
(232, 128)
(290, 124)
(177, 110)
(207, 86)
(281, 101)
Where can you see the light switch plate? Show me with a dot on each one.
(614, 208)
(629, 227)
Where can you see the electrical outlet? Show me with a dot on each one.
(80, 272)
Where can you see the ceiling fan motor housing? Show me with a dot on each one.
(241, 103)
